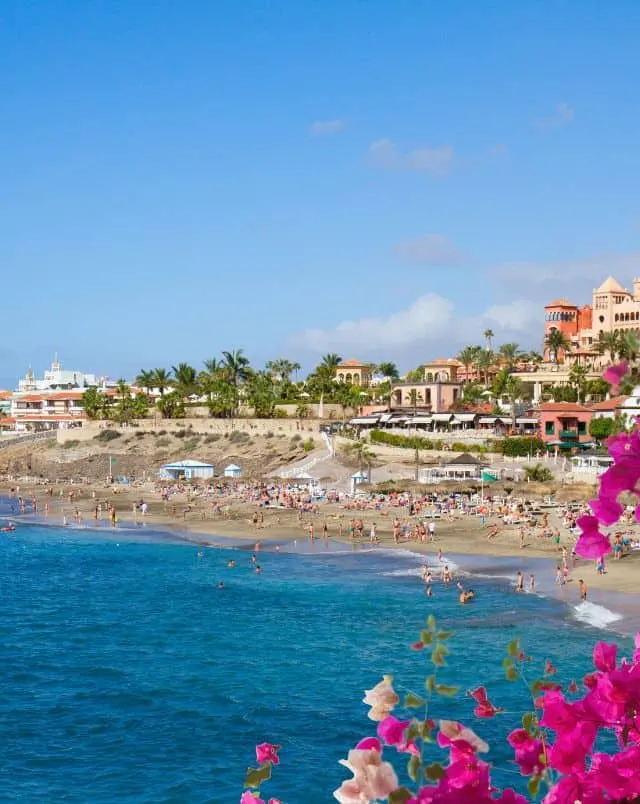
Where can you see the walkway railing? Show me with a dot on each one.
(12, 441)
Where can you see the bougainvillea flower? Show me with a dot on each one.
(615, 374)
(267, 752)
(592, 543)
(484, 708)
(549, 669)
(606, 510)
(604, 657)
(528, 752)
(250, 798)
(391, 730)
(382, 699)
(370, 743)
(372, 778)
(453, 731)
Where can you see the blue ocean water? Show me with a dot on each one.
(127, 675)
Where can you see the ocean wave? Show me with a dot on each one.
(595, 615)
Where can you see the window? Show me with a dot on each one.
(549, 428)
(582, 428)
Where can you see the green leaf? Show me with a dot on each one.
(507, 662)
(426, 637)
(430, 683)
(256, 776)
(438, 654)
(533, 786)
(425, 732)
(431, 623)
(528, 722)
(444, 635)
(399, 796)
(413, 731)
(413, 701)
(434, 772)
(511, 674)
(447, 691)
(413, 768)
(513, 648)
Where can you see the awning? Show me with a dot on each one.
(441, 417)
(385, 417)
(364, 420)
(526, 420)
(464, 417)
(504, 419)
(487, 420)
(421, 420)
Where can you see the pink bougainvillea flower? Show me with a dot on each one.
(382, 699)
(615, 374)
(250, 798)
(372, 778)
(454, 731)
(267, 752)
(604, 657)
(484, 708)
(592, 543)
(528, 752)
(549, 669)
(369, 744)
(391, 730)
(573, 687)
(606, 510)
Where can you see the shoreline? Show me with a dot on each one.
(606, 609)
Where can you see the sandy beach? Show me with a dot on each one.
(197, 518)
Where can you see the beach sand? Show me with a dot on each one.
(463, 536)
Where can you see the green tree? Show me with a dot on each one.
(145, 380)
(416, 374)
(171, 405)
(578, 380)
(415, 398)
(282, 369)
(348, 396)
(563, 393)
(237, 366)
(484, 363)
(601, 428)
(261, 395)
(538, 473)
(558, 345)
(629, 346)
(388, 370)
(384, 393)
(598, 388)
(185, 379)
(223, 399)
(489, 336)
(514, 391)
(510, 353)
(92, 402)
(161, 380)
(468, 357)
(473, 393)
(302, 411)
(608, 343)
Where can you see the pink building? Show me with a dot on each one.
(564, 424)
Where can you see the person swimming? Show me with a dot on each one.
(221, 585)
(466, 597)
(231, 564)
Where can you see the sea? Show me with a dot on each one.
(129, 675)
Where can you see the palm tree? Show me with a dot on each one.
(510, 352)
(414, 398)
(145, 380)
(536, 358)
(578, 379)
(513, 390)
(185, 379)
(213, 366)
(609, 343)
(629, 346)
(331, 361)
(161, 380)
(489, 336)
(389, 370)
(484, 361)
(282, 369)
(557, 343)
(237, 365)
(468, 357)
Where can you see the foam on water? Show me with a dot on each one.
(595, 615)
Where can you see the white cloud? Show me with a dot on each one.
(517, 316)
(544, 280)
(562, 115)
(321, 128)
(432, 249)
(426, 319)
(436, 161)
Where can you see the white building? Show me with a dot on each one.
(58, 378)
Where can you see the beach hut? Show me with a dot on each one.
(187, 470)
(232, 470)
(356, 479)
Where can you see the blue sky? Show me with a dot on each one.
(381, 179)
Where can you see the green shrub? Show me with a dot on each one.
(308, 445)
(296, 437)
(162, 432)
(518, 446)
(269, 434)
(181, 433)
(107, 435)
(211, 438)
(239, 437)
(70, 444)
(162, 442)
(191, 444)
(280, 413)
(409, 442)
(140, 434)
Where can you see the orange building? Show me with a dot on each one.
(570, 320)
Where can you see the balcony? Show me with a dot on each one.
(569, 434)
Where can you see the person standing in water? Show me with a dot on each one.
(520, 582)
(582, 589)
(532, 582)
